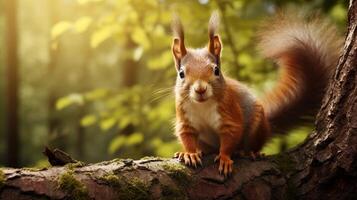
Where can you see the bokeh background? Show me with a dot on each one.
(95, 77)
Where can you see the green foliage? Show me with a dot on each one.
(82, 24)
(163, 60)
(60, 28)
(109, 65)
(131, 112)
(100, 36)
(69, 100)
(88, 120)
(287, 141)
(119, 141)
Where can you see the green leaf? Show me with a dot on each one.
(116, 144)
(167, 149)
(297, 136)
(87, 1)
(124, 122)
(88, 120)
(107, 123)
(139, 36)
(121, 141)
(245, 59)
(96, 94)
(134, 138)
(272, 147)
(138, 52)
(339, 12)
(69, 100)
(60, 28)
(82, 24)
(100, 36)
(160, 62)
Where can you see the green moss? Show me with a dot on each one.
(177, 172)
(112, 179)
(72, 166)
(2, 179)
(136, 189)
(133, 188)
(72, 186)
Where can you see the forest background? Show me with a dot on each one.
(95, 77)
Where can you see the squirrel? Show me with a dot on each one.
(217, 114)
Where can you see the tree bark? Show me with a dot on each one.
(148, 178)
(327, 161)
(323, 167)
(12, 87)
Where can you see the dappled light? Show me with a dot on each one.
(96, 77)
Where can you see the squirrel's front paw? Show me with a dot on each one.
(190, 159)
(225, 164)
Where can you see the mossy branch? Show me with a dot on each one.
(148, 178)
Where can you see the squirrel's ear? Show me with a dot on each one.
(178, 44)
(178, 49)
(214, 45)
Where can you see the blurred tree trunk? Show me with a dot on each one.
(129, 77)
(12, 87)
(82, 110)
(54, 121)
(81, 135)
(130, 66)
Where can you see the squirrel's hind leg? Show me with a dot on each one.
(259, 131)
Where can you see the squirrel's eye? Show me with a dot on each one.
(216, 71)
(181, 73)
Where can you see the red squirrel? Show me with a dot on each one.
(216, 114)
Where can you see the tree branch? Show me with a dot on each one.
(148, 178)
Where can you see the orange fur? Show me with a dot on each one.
(231, 130)
(216, 114)
(306, 50)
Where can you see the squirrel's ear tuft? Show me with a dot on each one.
(214, 45)
(178, 45)
(213, 24)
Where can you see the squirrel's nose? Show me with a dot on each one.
(201, 90)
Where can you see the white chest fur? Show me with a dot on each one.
(204, 117)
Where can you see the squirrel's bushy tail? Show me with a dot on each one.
(306, 51)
